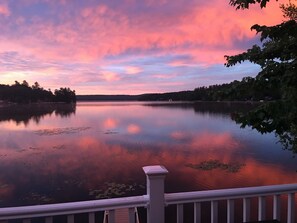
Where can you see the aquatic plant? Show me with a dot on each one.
(59, 131)
(112, 189)
(216, 164)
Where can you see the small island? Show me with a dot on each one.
(24, 93)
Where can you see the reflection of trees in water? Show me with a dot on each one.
(224, 107)
(276, 55)
(24, 113)
(65, 110)
(279, 117)
(209, 107)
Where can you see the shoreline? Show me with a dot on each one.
(5, 103)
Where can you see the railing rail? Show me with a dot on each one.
(155, 201)
(72, 208)
(229, 195)
(226, 194)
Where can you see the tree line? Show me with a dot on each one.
(248, 89)
(277, 57)
(24, 93)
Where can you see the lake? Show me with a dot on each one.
(94, 150)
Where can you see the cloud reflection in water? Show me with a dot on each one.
(65, 167)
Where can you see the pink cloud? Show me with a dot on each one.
(91, 34)
(100, 31)
(109, 76)
(4, 10)
(133, 70)
(163, 76)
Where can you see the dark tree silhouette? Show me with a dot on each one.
(277, 57)
(244, 4)
(23, 93)
(65, 95)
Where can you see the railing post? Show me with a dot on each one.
(155, 176)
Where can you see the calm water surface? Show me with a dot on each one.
(97, 150)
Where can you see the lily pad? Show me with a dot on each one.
(59, 147)
(216, 164)
(38, 198)
(112, 189)
(109, 132)
(59, 131)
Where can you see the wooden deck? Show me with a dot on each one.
(121, 216)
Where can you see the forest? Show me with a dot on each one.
(24, 93)
(248, 89)
(277, 57)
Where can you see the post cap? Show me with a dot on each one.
(156, 170)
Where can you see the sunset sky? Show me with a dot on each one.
(126, 46)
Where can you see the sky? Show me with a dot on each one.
(127, 46)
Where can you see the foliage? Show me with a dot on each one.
(289, 11)
(65, 95)
(277, 57)
(23, 93)
(244, 4)
(248, 89)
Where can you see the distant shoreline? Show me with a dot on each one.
(4, 104)
(173, 102)
(123, 98)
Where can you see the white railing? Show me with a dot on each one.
(155, 201)
(229, 195)
(69, 209)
